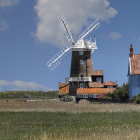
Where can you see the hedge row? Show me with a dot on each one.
(29, 94)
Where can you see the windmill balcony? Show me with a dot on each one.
(78, 79)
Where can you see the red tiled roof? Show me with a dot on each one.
(95, 90)
(63, 88)
(135, 64)
(98, 72)
(110, 83)
(96, 85)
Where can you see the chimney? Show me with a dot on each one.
(131, 51)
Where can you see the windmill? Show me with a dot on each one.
(81, 61)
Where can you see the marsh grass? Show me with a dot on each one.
(55, 105)
(65, 126)
(56, 120)
(118, 135)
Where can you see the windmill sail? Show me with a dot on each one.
(66, 29)
(92, 27)
(57, 59)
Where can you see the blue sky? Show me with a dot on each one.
(30, 35)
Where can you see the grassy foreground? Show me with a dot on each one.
(73, 126)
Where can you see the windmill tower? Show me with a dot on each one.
(81, 61)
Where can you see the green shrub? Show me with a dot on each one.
(136, 99)
(66, 98)
(105, 97)
(121, 93)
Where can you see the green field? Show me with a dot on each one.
(38, 118)
(65, 126)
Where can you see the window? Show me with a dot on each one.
(98, 79)
(80, 52)
(110, 86)
(81, 62)
(85, 96)
(81, 85)
(95, 95)
(81, 75)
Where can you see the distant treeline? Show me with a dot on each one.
(29, 95)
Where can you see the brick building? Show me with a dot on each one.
(84, 82)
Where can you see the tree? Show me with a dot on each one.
(136, 99)
(121, 93)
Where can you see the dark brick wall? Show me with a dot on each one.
(86, 68)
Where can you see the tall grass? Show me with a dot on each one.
(59, 106)
(65, 126)
(56, 120)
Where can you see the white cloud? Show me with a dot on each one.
(77, 13)
(115, 35)
(3, 25)
(8, 3)
(21, 85)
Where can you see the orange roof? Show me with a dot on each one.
(98, 72)
(110, 83)
(63, 88)
(96, 85)
(95, 90)
(135, 64)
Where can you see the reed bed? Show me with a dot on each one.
(54, 105)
